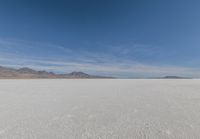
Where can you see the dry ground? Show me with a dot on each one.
(99, 109)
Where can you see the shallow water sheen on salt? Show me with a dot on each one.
(99, 109)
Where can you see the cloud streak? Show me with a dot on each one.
(122, 69)
(13, 54)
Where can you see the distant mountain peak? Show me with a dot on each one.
(78, 74)
(175, 77)
(26, 72)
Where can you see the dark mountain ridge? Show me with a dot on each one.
(175, 77)
(26, 73)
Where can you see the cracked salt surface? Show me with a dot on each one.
(99, 109)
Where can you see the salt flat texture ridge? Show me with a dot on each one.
(100, 109)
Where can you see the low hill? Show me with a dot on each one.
(28, 73)
(175, 77)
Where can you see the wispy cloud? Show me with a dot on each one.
(121, 69)
(13, 54)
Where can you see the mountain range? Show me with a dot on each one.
(28, 73)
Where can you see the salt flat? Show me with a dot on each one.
(99, 109)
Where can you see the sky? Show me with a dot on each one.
(121, 38)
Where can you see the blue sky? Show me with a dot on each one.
(123, 38)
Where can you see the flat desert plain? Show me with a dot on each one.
(100, 109)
